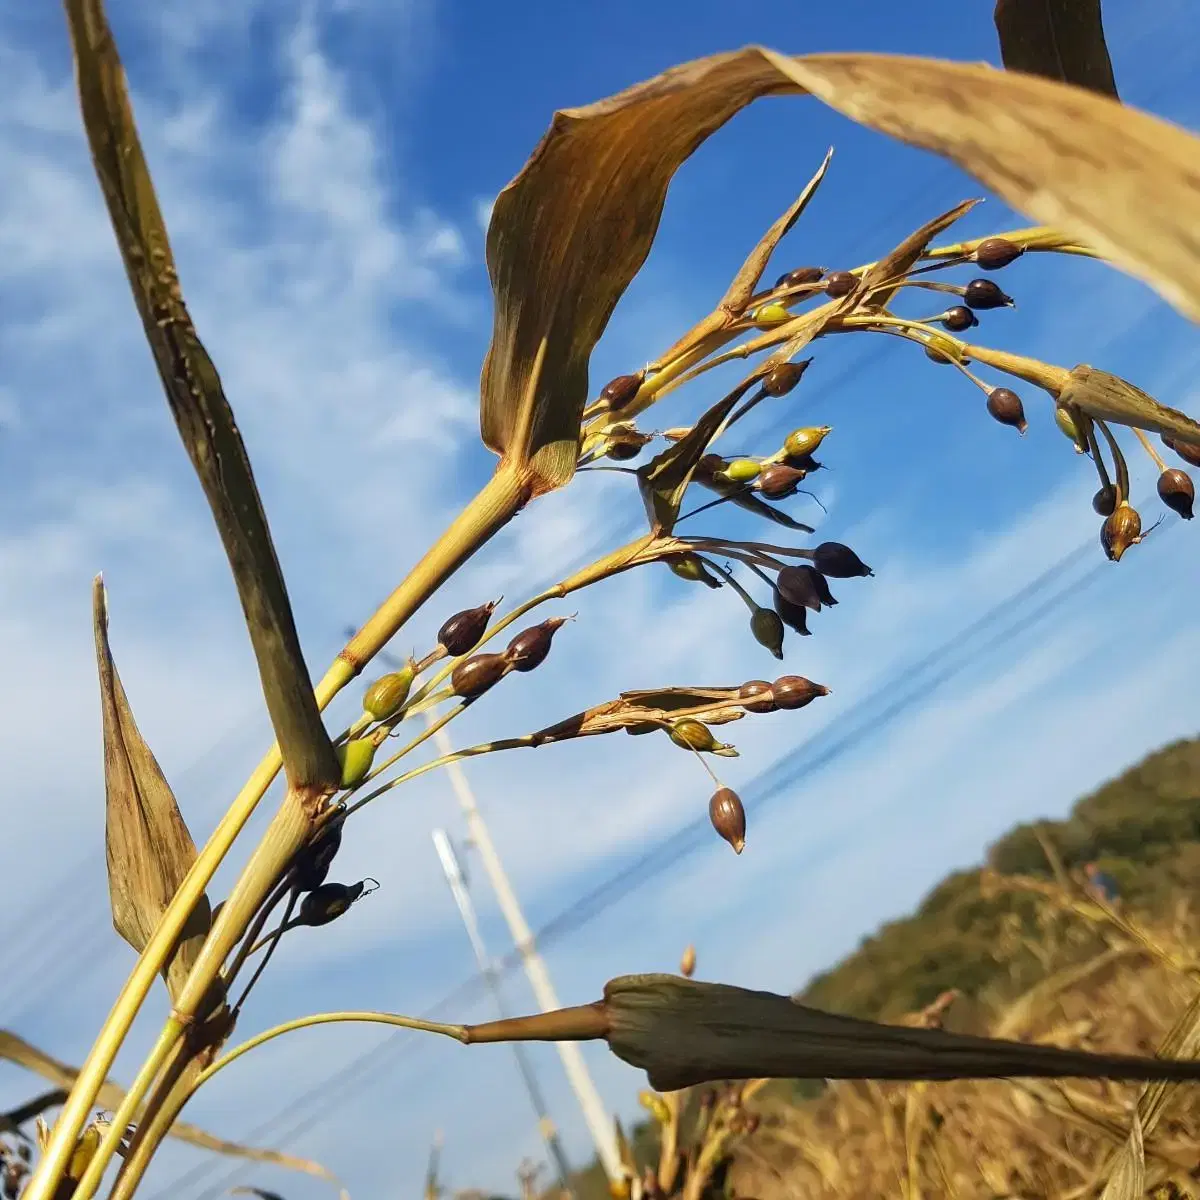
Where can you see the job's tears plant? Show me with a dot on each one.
(565, 240)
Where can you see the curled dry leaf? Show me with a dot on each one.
(197, 400)
(149, 847)
(16, 1050)
(1060, 39)
(1108, 397)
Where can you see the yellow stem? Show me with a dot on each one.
(457, 1032)
(1149, 448)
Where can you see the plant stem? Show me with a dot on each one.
(1149, 448)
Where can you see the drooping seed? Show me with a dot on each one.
(781, 379)
(461, 633)
(530, 647)
(756, 697)
(690, 734)
(624, 450)
(709, 466)
(356, 757)
(385, 696)
(1176, 491)
(800, 443)
(778, 481)
(794, 616)
(767, 628)
(475, 675)
(794, 691)
(941, 350)
(328, 902)
(1188, 451)
(840, 283)
(1122, 530)
(742, 470)
(692, 568)
(1104, 502)
(1006, 407)
(996, 252)
(1066, 423)
(314, 860)
(839, 562)
(984, 293)
(770, 314)
(618, 392)
(958, 318)
(800, 276)
(728, 817)
(803, 585)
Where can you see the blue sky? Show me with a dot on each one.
(323, 171)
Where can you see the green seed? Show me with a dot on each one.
(355, 756)
(385, 696)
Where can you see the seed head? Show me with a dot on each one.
(1006, 407)
(996, 252)
(756, 697)
(461, 633)
(617, 393)
(690, 734)
(840, 283)
(800, 275)
(800, 443)
(475, 675)
(770, 314)
(314, 860)
(804, 585)
(385, 696)
(839, 562)
(742, 470)
(1122, 530)
(1188, 451)
(983, 293)
(687, 964)
(794, 691)
(781, 379)
(328, 902)
(355, 756)
(1176, 491)
(530, 647)
(1066, 423)
(692, 568)
(768, 630)
(778, 481)
(728, 817)
(1104, 502)
(959, 318)
(794, 616)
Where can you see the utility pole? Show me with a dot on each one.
(458, 886)
(599, 1123)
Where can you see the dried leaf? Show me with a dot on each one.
(713, 706)
(1068, 158)
(900, 261)
(1060, 39)
(1128, 1179)
(747, 500)
(681, 1033)
(568, 235)
(1108, 397)
(198, 404)
(148, 844)
(16, 1050)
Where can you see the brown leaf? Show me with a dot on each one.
(196, 398)
(149, 847)
(16, 1050)
(568, 235)
(1060, 39)
(900, 261)
(682, 1032)
(1109, 177)
(652, 709)
(1108, 397)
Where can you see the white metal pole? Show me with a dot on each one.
(599, 1123)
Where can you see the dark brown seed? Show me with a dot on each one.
(1176, 491)
(1006, 407)
(794, 691)
(996, 252)
(781, 379)
(617, 393)
(805, 463)
(803, 585)
(530, 647)
(959, 318)
(1122, 530)
(328, 902)
(794, 616)
(728, 817)
(461, 633)
(709, 465)
(778, 481)
(800, 275)
(756, 697)
(623, 451)
(839, 562)
(473, 676)
(983, 293)
(841, 283)
(1104, 502)
(314, 860)
(1188, 451)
